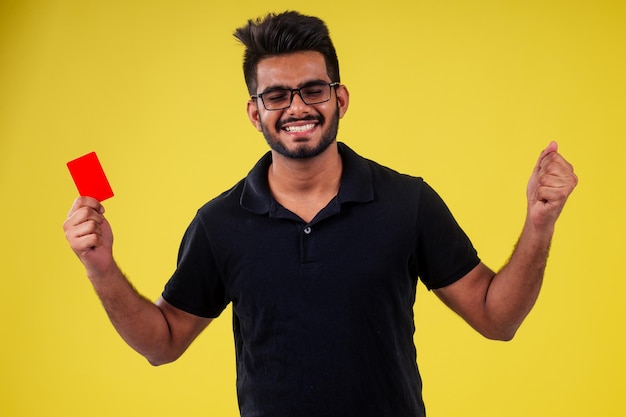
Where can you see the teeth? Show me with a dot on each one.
(302, 128)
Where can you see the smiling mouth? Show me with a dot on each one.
(300, 128)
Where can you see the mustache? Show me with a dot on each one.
(310, 118)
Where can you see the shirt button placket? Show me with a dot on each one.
(306, 244)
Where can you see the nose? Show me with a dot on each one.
(296, 102)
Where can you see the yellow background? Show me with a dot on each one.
(464, 93)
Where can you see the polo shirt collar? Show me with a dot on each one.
(356, 182)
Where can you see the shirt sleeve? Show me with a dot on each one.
(444, 252)
(196, 286)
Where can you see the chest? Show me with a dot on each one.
(339, 265)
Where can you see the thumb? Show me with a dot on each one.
(552, 147)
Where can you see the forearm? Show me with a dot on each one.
(496, 304)
(138, 320)
(514, 289)
(159, 331)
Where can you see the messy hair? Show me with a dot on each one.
(284, 33)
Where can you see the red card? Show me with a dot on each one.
(89, 177)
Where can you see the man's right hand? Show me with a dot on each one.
(159, 331)
(90, 237)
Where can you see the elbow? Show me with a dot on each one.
(499, 333)
(501, 336)
(162, 358)
(156, 356)
(158, 361)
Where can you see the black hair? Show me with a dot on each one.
(284, 33)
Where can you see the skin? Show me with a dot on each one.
(302, 185)
(495, 304)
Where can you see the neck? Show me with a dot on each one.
(305, 186)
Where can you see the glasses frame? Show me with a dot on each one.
(294, 91)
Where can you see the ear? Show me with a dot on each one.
(343, 99)
(253, 114)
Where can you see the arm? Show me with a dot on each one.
(495, 304)
(158, 331)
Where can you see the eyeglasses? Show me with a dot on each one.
(281, 98)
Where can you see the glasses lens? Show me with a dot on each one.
(314, 94)
(277, 99)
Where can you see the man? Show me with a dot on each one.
(319, 252)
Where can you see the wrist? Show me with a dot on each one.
(102, 274)
(537, 236)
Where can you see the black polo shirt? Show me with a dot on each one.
(322, 311)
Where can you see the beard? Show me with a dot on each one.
(304, 151)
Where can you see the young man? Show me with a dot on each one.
(319, 252)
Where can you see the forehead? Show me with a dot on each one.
(291, 70)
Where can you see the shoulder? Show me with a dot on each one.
(388, 182)
(383, 179)
(251, 192)
(223, 202)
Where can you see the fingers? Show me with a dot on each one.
(555, 177)
(86, 202)
(555, 170)
(83, 225)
